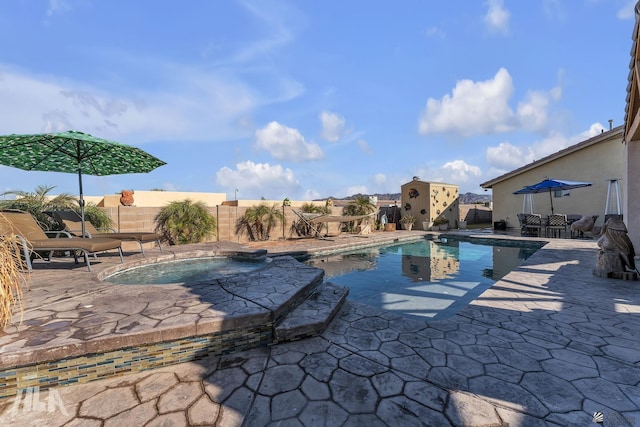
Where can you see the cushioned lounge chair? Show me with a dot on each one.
(72, 223)
(35, 239)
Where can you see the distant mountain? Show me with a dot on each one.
(465, 199)
(471, 198)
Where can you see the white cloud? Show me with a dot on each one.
(57, 6)
(379, 179)
(312, 195)
(627, 11)
(364, 146)
(254, 180)
(354, 189)
(476, 108)
(459, 172)
(497, 17)
(506, 156)
(435, 32)
(193, 106)
(332, 126)
(472, 108)
(286, 143)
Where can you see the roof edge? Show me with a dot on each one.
(558, 154)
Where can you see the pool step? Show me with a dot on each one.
(312, 315)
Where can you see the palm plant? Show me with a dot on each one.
(258, 221)
(39, 202)
(361, 205)
(304, 228)
(183, 222)
(96, 216)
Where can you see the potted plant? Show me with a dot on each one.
(407, 221)
(441, 222)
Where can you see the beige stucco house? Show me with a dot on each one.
(427, 201)
(597, 160)
(631, 139)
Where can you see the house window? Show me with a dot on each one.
(562, 193)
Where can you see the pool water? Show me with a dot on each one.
(429, 279)
(192, 270)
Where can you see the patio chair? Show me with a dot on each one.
(34, 239)
(557, 222)
(72, 223)
(534, 223)
(522, 220)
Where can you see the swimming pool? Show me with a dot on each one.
(428, 279)
(190, 270)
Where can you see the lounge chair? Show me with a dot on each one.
(72, 223)
(35, 239)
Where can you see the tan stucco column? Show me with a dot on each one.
(631, 203)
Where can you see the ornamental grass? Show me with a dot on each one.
(13, 278)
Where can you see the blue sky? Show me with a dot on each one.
(311, 99)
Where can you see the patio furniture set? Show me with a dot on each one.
(34, 241)
(553, 225)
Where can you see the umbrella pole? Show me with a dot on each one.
(81, 201)
(551, 200)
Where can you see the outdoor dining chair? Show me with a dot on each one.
(557, 223)
(72, 223)
(534, 223)
(522, 221)
(34, 239)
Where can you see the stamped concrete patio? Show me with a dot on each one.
(549, 344)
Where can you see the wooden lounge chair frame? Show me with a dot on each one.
(72, 223)
(34, 239)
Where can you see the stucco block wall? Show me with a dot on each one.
(134, 218)
(162, 198)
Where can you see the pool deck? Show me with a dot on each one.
(549, 344)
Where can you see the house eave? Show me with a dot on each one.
(552, 157)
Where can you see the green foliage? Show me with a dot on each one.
(183, 222)
(39, 202)
(258, 221)
(13, 278)
(303, 228)
(360, 206)
(441, 220)
(407, 219)
(96, 216)
(311, 208)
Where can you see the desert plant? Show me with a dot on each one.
(183, 222)
(13, 278)
(361, 205)
(258, 221)
(96, 216)
(441, 220)
(38, 202)
(304, 228)
(407, 219)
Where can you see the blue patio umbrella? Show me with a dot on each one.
(549, 185)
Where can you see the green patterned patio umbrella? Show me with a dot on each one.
(74, 152)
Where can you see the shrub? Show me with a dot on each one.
(258, 221)
(13, 277)
(185, 222)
